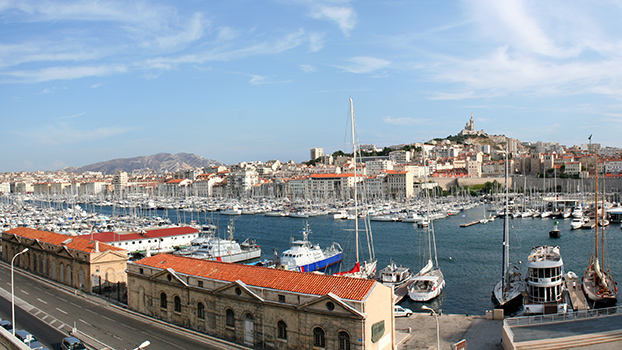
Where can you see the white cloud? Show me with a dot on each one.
(307, 68)
(343, 16)
(65, 73)
(262, 80)
(365, 65)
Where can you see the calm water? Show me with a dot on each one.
(470, 257)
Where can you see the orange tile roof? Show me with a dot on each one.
(264, 277)
(86, 245)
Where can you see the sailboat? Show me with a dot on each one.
(429, 282)
(367, 268)
(597, 284)
(507, 292)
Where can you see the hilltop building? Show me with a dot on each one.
(469, 129)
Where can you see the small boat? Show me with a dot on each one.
(577, 223)
(227, 250)
(395, 276)
(305, 257)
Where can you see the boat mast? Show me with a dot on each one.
(506, 228)
(595, 201)
(356, 214)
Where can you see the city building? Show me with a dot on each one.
(316, 153)
(79, 262)
(149, 240)
(263, 307)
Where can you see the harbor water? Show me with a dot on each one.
(469, 257)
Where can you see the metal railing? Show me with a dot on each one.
(569, 316)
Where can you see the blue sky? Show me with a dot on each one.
(241, 80)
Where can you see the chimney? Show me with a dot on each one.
(96, 246)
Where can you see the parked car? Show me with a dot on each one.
(6, 324)
(72, 343)
(28, 339)
(399, 311)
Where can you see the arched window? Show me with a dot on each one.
(177, 304)
(318, 337)
(62, 273)
(282, 330)
(163, 300)
(344, 341)
(201, 311)
(230, 318)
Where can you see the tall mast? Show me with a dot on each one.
(595, 202)
(506, 229)
(356, 214)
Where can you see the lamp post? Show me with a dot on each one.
(438, 336)
(13, 290)
(143, 345)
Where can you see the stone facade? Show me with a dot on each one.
(263, 307)
(78, 262)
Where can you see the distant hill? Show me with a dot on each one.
(160, 163)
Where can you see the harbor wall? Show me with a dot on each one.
(520, 182)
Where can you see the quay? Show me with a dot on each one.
(577, 298)
(585, 330)
(467, 224)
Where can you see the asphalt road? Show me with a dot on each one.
(50, 311)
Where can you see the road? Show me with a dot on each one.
(50, 312)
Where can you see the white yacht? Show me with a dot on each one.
(545, 281)
(227, 250)
(305, 257)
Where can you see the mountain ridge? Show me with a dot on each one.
(160, 163)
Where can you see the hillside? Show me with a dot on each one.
(160, 163)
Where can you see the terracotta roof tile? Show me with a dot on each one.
(264, 277)
(77, 242)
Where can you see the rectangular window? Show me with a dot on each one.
(281, 298)
(201, 284)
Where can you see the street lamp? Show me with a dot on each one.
(438, 336)
(13, 290)
(143, 345)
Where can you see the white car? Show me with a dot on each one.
(399, 311)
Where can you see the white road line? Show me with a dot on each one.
(63, 311)
(108, 318)
(130, 327)
(61, 326)
(25, 292)
(83, 321)
(114, 335)
(91, 311)
(44, 317)
(43, 301)
(62, 299)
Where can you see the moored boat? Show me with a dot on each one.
(305, 257)
(545, 281)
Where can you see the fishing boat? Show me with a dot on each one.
(366, 268)
(429, 282)
(219, 249)
(545, 281)
(507, 292)
(305, 257)
(395, 276)
(597, 283)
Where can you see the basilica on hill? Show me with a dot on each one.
(469, 129)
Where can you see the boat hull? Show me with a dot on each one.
(320, 265)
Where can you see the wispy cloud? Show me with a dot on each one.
(65, 73)
(343, 16)
(307, 68)
(74, 116)
(361, 65)
(262, 80)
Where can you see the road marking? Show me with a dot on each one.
(63, 311)
(114, 335)
(83, 321)
(52, 322)
(62, 299)
(25, 292)
(162, 340)
(91, 311)
(43, 301)
(61, 326)
(108, 318)
(130, 327)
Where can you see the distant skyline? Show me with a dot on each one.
(88, 81)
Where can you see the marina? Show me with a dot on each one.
(469, 256)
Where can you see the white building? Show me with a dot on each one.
(375, 167)
(316, 153)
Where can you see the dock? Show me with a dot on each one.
(401, 292)
(467, 224)
(577, 298)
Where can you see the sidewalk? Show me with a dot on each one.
(479, 333)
